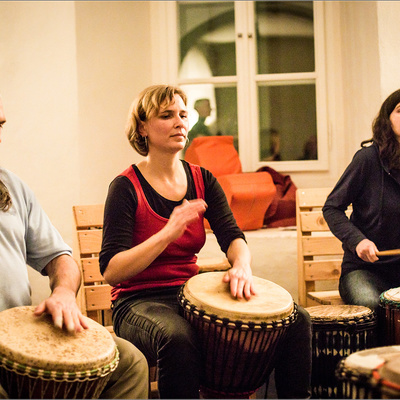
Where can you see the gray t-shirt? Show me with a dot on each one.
(26, 237)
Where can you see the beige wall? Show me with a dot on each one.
(114, 64)
(68, 74)
(389, 46)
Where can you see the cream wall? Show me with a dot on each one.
(389, 46)
(114, 64)
(38, 83)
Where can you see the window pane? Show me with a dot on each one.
(285, 36)
(287, 120)
(212, 111)
(206, 35)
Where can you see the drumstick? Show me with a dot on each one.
(394, 252)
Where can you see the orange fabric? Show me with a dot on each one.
(215, 153)
(249, 194)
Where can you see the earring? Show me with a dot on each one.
(146, 145)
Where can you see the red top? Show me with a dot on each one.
(177, 263)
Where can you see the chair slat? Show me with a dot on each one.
(319, 246)
(322, 270)
(91, 270)
(87, 216)
(312, 197)
(313, 221)
(326, 297)
(98, 297)
(90, 241)
(213, 264)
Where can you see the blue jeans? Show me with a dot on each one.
(153, 323)
(363, 287)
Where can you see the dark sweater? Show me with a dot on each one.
(374, 193)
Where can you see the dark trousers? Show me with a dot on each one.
(363, 287)
(152, 322)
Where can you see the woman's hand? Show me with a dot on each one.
(366, 250)
(241, 281)
(240, 275)
(182, 216)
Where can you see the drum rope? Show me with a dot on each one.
(388, 302)
(75, 376)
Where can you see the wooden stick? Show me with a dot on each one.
(394, 252)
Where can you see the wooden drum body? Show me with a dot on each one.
(39, 361)
(370, 374)
(239, 338)
(338, 331)
(390, 316)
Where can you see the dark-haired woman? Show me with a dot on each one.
(371, 183)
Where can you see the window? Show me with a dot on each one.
(254, 70)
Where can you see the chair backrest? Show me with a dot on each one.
(319, 253)
(96, 292)
(215, 153)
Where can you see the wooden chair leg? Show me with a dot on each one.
(153, 384)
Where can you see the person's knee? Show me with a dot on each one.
(180, 336)
(303, 323)
(131, 356)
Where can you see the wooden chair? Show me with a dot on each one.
(95, 293)
(319, 253)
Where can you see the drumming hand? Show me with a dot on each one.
(366, 250)
(241, 281)
(182, 216)
(61, 305)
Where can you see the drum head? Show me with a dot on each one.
(365, 361)
(208, 292)
(390, 372)
(337, 312)
(34, 341)
(392, 294)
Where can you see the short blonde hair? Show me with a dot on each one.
(146, 105)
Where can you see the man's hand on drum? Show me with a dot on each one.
(240, 278)
(62, 306)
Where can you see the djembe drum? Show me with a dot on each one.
(389, 310)
(239, 338)
(338, 331)
(370, 374)
(40, 361)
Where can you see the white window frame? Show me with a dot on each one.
(164, 42)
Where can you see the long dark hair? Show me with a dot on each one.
(383, 135)
(5, 198)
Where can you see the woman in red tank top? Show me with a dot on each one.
(156, 208)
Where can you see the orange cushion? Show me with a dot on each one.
(215, 153)
(249, 196)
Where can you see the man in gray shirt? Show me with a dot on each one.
(28, 237)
